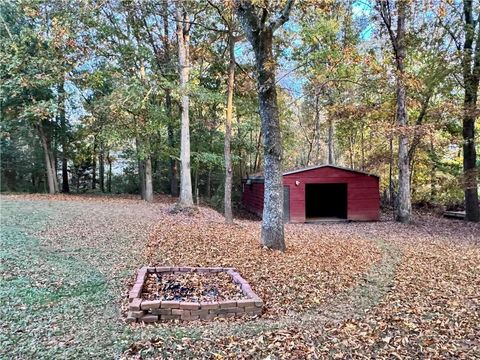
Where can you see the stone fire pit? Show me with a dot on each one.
(173, 300)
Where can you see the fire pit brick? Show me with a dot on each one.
(150, 304)
(155, 310)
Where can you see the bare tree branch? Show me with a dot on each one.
(284, 16)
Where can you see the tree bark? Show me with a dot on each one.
(141, 169)
(417, 134)
(172, 169)
(64, 138)
(471, 77)
(258, 160)
(141, 173)
(53, 167)
(240, 152)
(331, 154)
(101, 168)
(228, 131)
(316, 144)
(433, 173)
(48, 162)
(109, 176)
(260, 36)
(148, 179)
(94, 165)
(183, 37)
(362, 146)
(390, 174)
(404, 208)
(272, 222)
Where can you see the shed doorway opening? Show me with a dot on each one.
(323, 201)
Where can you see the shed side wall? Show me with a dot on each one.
(252, 197)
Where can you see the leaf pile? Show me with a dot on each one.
(193, 287)
(318, 263)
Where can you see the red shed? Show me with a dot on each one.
(320, 192)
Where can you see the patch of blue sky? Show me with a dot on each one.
(362, 13)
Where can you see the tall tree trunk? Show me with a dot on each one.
(404, 206)
(417, 134)
(64, 138)
(272, 221)
(183, 37)
(228, 131)
(317, 128)
(351, 151)
(241, 161)
(148, 179)
(260, 36)
(258, 160)
(48, 162)
(362, 146)
(433, 173)
(53, 167)
(390, 174)
(109, 176)
(469, 163)
(172, 169)
(141, 173)
(94, 165)
(53, 160)
(141, 168)
(403, 209)
(331, 154)
(471, 77)
(34, 183)
(101, 168)
(65, 186)
(195, 186)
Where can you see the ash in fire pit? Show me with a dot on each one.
(185, 293)
(191, 286)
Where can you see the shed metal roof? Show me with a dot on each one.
(261, 177)
(323, 166)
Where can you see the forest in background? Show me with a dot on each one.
(93, 95)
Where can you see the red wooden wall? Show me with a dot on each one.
(363, 195)
(252, 197)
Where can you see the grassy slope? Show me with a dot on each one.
(56, 300)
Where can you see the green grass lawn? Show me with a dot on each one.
(61, 293)
(54, 304)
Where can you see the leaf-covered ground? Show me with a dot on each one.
(318, 264)
(354, 290)
(431, 308)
